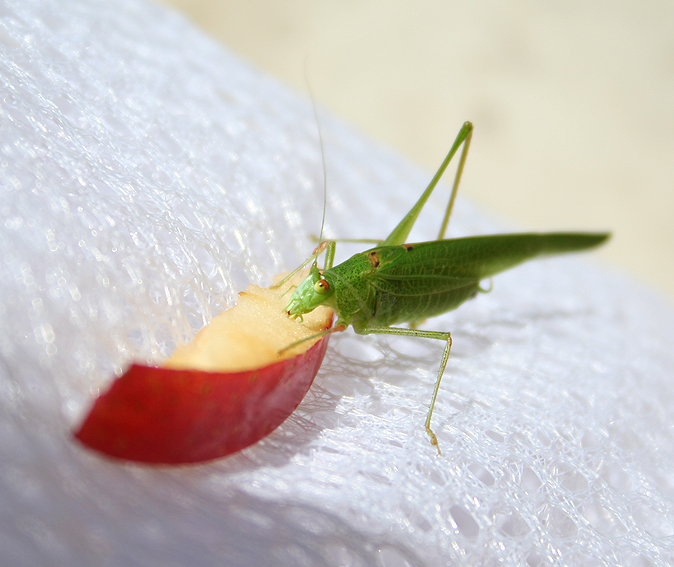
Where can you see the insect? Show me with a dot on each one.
(398, 282)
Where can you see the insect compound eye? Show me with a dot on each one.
(321, 286)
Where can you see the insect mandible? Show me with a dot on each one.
(398, 282)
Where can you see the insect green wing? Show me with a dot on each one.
(434, 267)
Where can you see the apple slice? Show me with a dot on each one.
(224, 391)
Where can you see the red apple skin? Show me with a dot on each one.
(167, 416)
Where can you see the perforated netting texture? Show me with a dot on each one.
(147, 176)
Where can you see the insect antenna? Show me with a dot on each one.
(325, 171)
(321, 246)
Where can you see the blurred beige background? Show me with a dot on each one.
(572, 101)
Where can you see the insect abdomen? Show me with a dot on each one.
(392, 309)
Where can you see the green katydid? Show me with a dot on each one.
(397, 282)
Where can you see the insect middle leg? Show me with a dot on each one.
(438, 335)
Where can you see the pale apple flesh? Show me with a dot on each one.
(225, 390)
(251, 334)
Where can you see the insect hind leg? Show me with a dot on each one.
(467, 130)
(402, 230)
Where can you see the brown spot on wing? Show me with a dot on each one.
(374, 258)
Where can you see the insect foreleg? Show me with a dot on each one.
(328, 245)
(335, 329)
(438, 335)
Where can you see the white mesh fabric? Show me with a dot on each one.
(146, 177)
